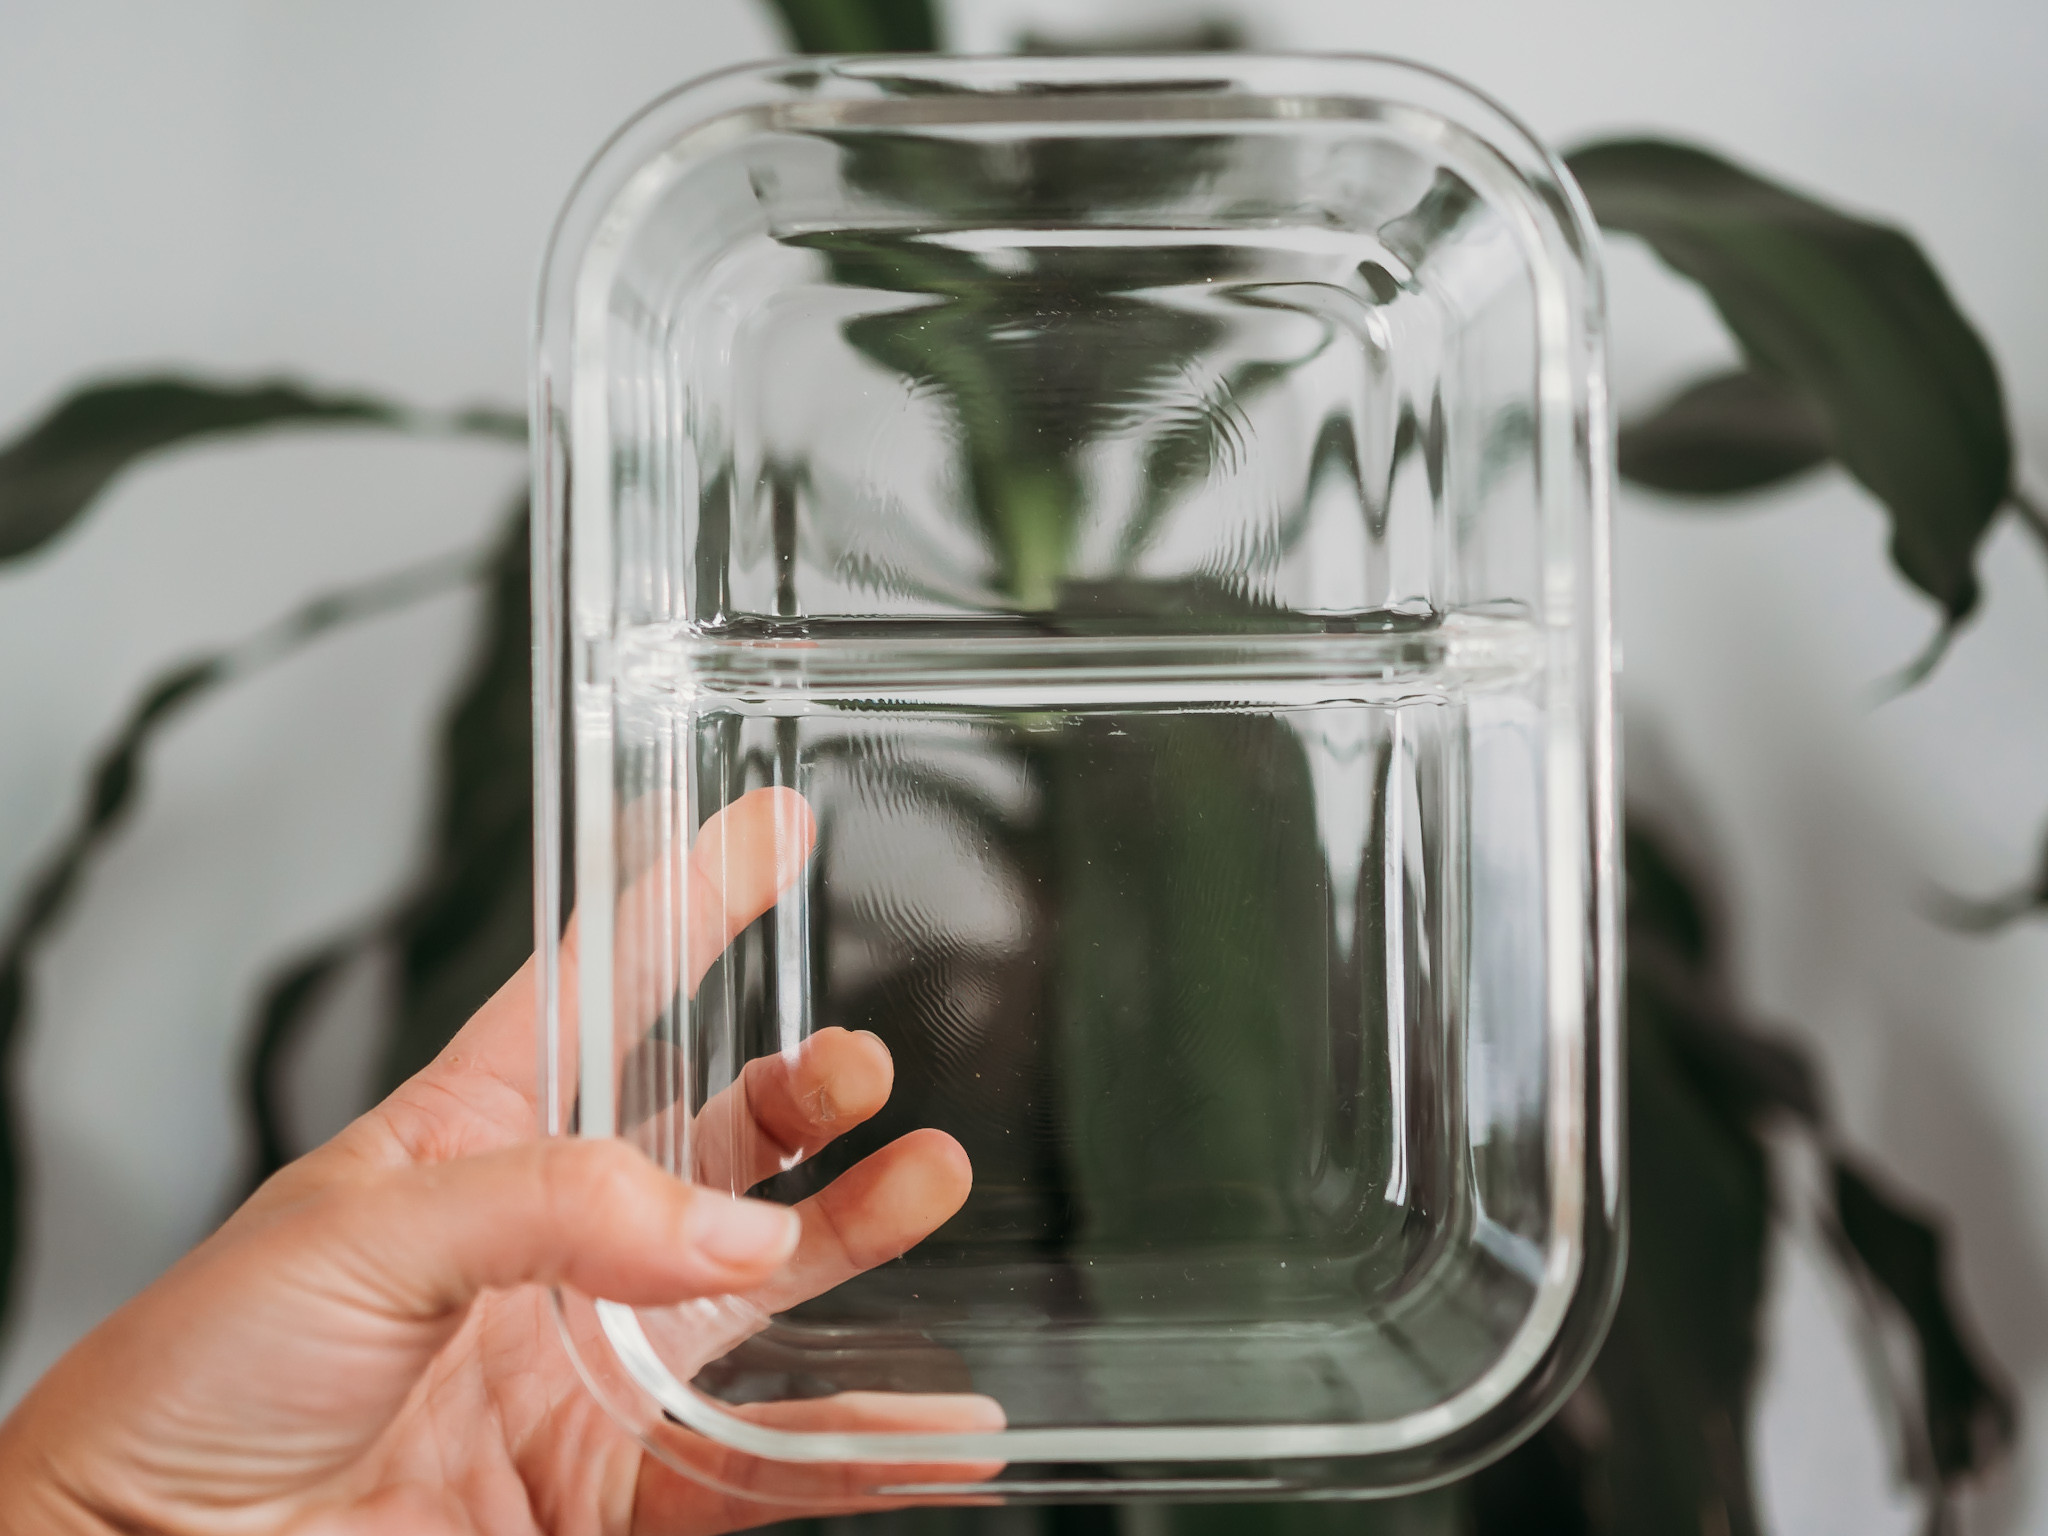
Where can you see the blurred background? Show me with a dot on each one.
(358, 195)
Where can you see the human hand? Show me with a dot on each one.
(368, 1345)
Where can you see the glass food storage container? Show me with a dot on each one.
(1074, 738)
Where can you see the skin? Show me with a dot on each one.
(368, 1344)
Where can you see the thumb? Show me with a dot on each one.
(596, 1216)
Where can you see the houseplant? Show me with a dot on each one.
(1890, 383)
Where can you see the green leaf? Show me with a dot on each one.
(1675, 1375)
(469, 923)
(1970, 1418)
(288, 1004)
(1677, 1371)
(112, 788)
(1195, 34)
(1037, 368)
(1849, 315)
(1188, 449)
(52, 472)
(1035, 374)
(859, 26)
(1725, 435)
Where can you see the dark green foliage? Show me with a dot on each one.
(1199, 34)
(1036, 368)
(1854, 351)
(113, 785)
(1541, 1488)
(1677, 1372)
(287, 1004)
(1851, 316)
(1030, 392)
(109, 796)
(859, 26)
(468, 923)
(1160, 859)
(1674, 1378)
(1655, 1442)
(1733, 433)
(53, 471)
(1187, 452)
(1969, 1418)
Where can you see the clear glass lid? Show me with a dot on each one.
(1075, 746)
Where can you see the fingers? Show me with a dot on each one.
(594, 1215)
(480, 1092)
(783, 1108)
(744, 858)
(883, 1413)
(879, 1208)
(753, 1490)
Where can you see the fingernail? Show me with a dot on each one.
(747, 1233)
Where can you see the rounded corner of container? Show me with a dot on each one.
(1559, 1363)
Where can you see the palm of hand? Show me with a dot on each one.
(368, 1344)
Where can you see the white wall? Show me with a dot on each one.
(360, 193)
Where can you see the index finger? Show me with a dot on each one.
(741, 860)
(482, 1091)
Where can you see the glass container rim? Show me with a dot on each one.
(729, 105)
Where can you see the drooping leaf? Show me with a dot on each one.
(1198, 34)
(287, 1005)
(1969, 1416)
(859, 26)
(1919, 667)
(1040, 367)
(1675, 1375)
(1213, 33)
(1035, 375)
(1447, 203)
(1187, 450)
(469, 924)
(113, 785)
(52, 472)
(49, 893)
(1851, 316)
(1725, 435)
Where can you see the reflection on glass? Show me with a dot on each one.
(1139, 525)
